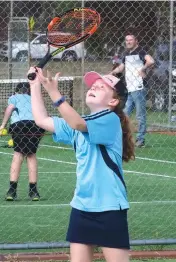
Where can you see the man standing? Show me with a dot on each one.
(135, 63)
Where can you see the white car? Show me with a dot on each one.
(38, 49)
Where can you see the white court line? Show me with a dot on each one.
(72, 163)
(154, 202)
(125, 171)
(68, 205)
(38, 205)
(50, 172)
(156, 160)
(141, 158)
(58, 147)
(45, 159)
(148, 174)
(54, 160)
(4, 153)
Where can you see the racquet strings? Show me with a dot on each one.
(72, 26)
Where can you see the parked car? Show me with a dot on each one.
(38, 49)
(159, 78)
(2, 45)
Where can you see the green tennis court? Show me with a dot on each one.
(150, 179)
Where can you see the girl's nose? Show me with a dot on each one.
(93, 87)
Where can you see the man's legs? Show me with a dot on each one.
(129, 105)
(140, 103)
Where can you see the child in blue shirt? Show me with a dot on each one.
(102, 140)
(26, 136)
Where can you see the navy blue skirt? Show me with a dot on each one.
(103, 229)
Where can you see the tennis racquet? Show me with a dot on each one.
(67, 30)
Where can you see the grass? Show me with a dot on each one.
(150, 182)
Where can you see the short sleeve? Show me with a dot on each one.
(142, 54)
(12, 101)
(62, 131)
(124, 54)
(103, 129)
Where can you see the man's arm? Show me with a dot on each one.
(149, 62)
(118, 69)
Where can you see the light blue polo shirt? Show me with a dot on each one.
(23, 109)
(98, 188)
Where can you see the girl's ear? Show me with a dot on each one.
(114, 102)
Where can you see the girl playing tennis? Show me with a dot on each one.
(101, 141)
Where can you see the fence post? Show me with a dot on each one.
(170, 60)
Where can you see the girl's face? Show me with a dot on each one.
(100, 96)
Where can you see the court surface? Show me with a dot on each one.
(151, 183)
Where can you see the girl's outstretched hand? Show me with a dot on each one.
(50, 84)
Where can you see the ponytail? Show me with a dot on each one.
(128, 142)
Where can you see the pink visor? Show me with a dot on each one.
(91, 77)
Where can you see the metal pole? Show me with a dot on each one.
(28, 40)
(53, 245)
(10, 41)
(170, 61)
(82, 72)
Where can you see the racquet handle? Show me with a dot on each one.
(31, 76)
(41, 64)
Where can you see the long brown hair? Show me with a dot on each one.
(128, 141)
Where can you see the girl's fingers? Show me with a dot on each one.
(41, 76)
(57, 76)
(45, 81)
(31, 70)
(49, 76)
(39, 70)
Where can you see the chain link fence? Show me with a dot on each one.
(151, 177)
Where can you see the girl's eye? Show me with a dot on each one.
(101, 86)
